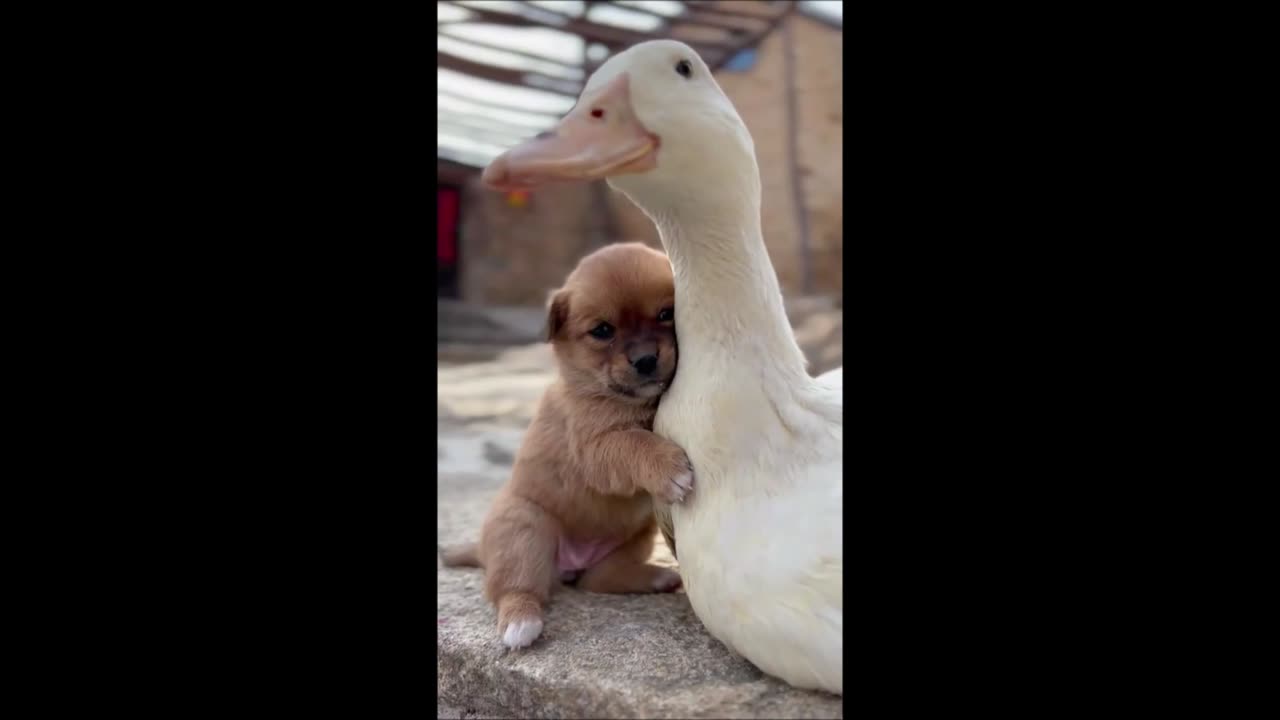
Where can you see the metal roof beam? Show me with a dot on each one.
(692, 17)
(512, 50)
(607, 34)
(508, 76)
(718, 8)
(550, 116)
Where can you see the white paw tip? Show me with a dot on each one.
(684, 480)
(522, 633)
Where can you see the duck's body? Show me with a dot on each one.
(761, 541)
(761, 538)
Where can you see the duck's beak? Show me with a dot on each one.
(599, 138)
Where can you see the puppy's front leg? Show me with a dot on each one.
(626, 461)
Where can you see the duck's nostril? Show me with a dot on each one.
(544, 135)
(597, 113)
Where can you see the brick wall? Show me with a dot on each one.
(820, 91)
(515, 255)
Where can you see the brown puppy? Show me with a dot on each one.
(578, 503)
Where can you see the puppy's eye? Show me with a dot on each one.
(684, 68)
(604, 331)
(666, 315)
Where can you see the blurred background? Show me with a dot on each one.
(508, 70)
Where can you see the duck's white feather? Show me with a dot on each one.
(833, 380)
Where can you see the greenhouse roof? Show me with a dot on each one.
(509, 70)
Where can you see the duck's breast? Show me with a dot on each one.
(763, 570)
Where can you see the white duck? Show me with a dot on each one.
(761, 537)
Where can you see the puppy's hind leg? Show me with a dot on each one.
(625, 571)
(520, 569)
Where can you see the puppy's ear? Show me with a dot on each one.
(557, 313)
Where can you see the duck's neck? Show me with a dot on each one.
(728, 303)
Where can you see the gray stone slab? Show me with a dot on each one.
(600, 656)
(487, 324)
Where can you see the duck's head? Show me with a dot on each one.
(654, 123)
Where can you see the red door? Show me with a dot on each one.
(447, 209)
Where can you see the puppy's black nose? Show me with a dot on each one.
(646, 364)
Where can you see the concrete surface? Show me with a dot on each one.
(458, 321)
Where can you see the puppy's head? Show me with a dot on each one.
(613, 324)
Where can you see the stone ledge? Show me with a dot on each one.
(458, 321)
(599, 655)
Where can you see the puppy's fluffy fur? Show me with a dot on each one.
(579, 502)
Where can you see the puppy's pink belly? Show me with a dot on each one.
(573, 556)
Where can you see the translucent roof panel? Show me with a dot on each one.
(552, 44)
(506, 95)
(508, 70)
(829, 10)
(661, 7)
(622, 17)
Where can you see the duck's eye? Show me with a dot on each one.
(666, 315)
(604, 331)
(684, 68)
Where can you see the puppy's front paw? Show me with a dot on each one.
(675, 477)
(681, 485)
(522, 633)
